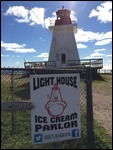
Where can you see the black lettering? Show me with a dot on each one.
(71, 81)
(51, 80)
(74, 124)
(52, 119)
(36, 119)
(67, 125)
(67, 80)
(53, 126)
(75, 82)
(38, 84)
(37, 127)
(57, 119)
(73, 116)
(67, 118)
(58, 80)
(34, 84)
(45, 127)
(47, 81)
(59, 126)
(44, 119)
(39, 119)
(41, 82)
(63, 80)
(62, 119)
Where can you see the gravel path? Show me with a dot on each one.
(102, 108)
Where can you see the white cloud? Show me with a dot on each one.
(23, 50)
(73, 17)
(81, 46)
(4, 55)
(103, 12)
(32, 24)
(45, 59)
(16, 47)
(34, 16)
(11, 45)
(86, 36)
(104, 42)
(22, 20)
(43, 55)
(18, 11)
(109, 55)
(95, 55)
(15, 56)
(49, 22)
(107, 35)
(98, 50)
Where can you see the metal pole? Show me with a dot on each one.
(90, 132)
(13, 111)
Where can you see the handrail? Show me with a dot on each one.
(83, 62)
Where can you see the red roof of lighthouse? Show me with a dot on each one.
(63, 17)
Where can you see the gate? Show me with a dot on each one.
(16, 121)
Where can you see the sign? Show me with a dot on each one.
(56, 113)
(16, 105)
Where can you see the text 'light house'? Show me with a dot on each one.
(63, 50)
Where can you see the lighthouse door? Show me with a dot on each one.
(63, 53)
(63, 58)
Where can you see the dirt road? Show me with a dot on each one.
(102, 108)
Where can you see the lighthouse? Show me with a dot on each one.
(63, 50)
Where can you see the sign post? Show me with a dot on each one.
(56, 113)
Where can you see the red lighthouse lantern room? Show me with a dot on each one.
(63, 17)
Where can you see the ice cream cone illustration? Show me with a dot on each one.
(55, 106)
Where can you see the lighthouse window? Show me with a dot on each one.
(63, 58)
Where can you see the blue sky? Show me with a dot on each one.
(25, 31)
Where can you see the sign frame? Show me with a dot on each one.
(57, 118)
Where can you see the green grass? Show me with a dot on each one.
(102, 139)
(103, 84)
(21, 138)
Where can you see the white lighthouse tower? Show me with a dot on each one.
(63, 50)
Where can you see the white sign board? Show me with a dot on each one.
(56, 113)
